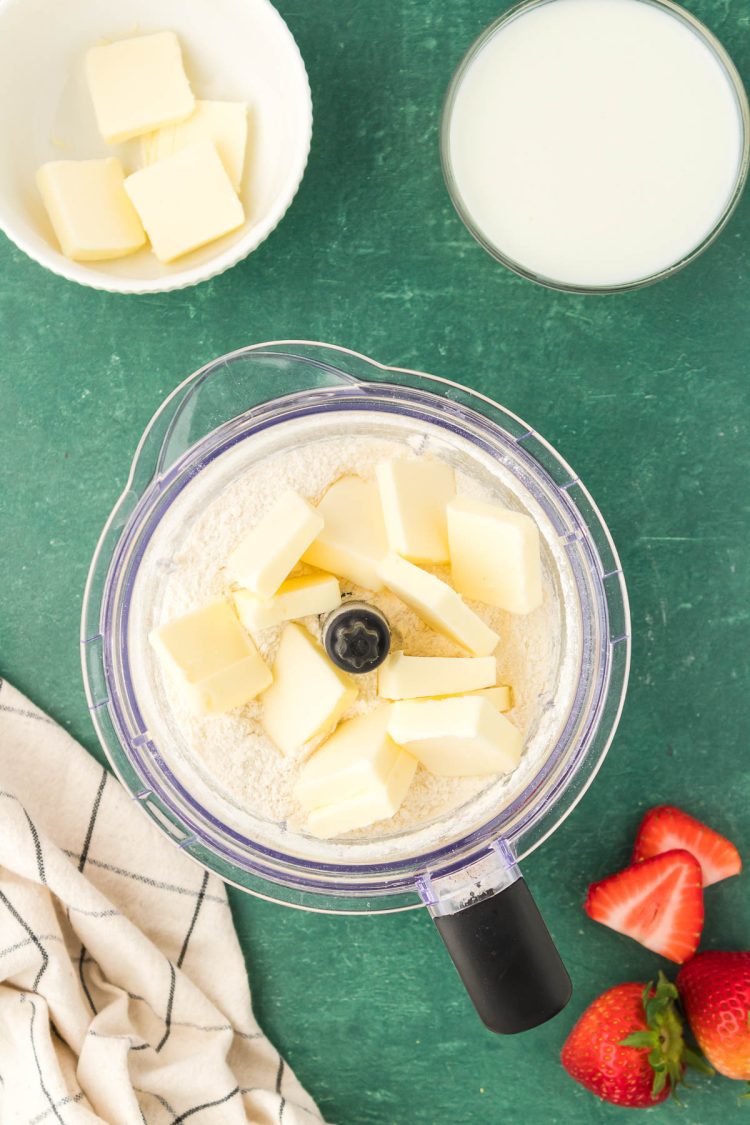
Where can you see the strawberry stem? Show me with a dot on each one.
(668, 1054)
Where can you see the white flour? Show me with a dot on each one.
(232, 751)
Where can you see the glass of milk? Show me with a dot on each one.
(595, 145)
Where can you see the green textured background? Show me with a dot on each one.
(646, 394)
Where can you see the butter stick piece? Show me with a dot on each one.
(212, 656)
(413, 495)
(409, 677)
(438, 605)
(501, 696)
(367, 807)
(495, 555)
(222, 123)
(302, 596)
(266, 554)
(359, 776)
(456, 737)
(353, 539)
(185, 201)
(89, 209)
(357, 758)
(138, 85)
(309, 693)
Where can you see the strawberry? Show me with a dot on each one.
(715, 992)
(665, 828)
(658, 902)
(627, 1047)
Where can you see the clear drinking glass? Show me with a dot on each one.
(743, 112)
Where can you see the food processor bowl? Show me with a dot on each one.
(231, 415)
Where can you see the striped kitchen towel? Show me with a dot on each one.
(123, 992)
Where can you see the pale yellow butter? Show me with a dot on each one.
(409, 677)
(368, 806)
(353, 540)
(138, 85)
(309, 693)
(456, 737)
(223, 123)
(413, 495)
(357, 777)
(213, 657)
(501, 696)
(266, 555)
(438, 605)
(185, 201)
(357, 758)
(495, 555)
(89, 209)
(302, 596)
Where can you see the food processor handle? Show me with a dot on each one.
(506, 959)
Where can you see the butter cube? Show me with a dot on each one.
(309, 693)
(185, 201)
(501, 696)
(138, 85)
(213, 657)
(456, 737)
(353, 540)
(267, 554)
(495, 555)
(368, 806)
(88, 207)
(223, 123)
(413, 495)
(301, 596)
(438, 605)
(357, 758)
(409, 677)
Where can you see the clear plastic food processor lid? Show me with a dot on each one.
(300, 415)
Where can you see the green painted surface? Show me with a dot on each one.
(646, 394)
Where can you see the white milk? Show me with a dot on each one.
(595, 142)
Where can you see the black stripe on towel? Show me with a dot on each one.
(37, 847)
(26, 714)
(84, 986)
(301, 1108)
(92, 822)
(170, 1002)
(161, 1100)
(45, 1091)
(279, 1076)
(69, 1099)
(193, 920)
(206, 1105)
(45, 956)
(142, 878)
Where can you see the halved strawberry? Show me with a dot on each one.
(658, 902)
(665, 828)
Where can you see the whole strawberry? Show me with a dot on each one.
(627, 1047)
(715, 992)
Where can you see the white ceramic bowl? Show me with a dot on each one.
(233, 49)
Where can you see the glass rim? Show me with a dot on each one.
(399, 875)
(743, 109)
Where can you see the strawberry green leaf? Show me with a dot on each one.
(660, 1078)
(696, 1061)
(640, 1039)
(668, 1054)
